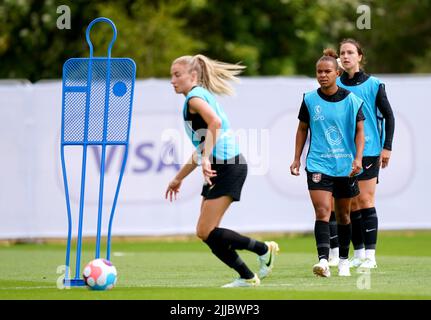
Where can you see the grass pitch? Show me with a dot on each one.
(186, 270)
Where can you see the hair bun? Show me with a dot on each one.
(329, 52)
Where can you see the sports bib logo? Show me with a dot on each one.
(333, 136)
(318, 113)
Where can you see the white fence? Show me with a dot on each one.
(263, 113)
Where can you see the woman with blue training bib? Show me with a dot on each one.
(335, 120)
(379, 131)
(224, 168)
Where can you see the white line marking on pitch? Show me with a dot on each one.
(29, 288)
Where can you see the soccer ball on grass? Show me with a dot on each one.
(100, 274)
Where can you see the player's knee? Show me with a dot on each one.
(343, 218)
(355, 204)
(323, 213)
(202, 232)
(366, 201)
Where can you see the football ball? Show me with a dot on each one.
(100, 274)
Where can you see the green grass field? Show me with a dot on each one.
(185, 269)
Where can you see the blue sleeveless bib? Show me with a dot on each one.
(333, 128)
(373, 125)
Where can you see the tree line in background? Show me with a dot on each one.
(271, 37)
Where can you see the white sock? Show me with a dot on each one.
(370, 254)
(334, 252)
(344, 262)
(360, 254)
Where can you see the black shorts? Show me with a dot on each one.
(371, 168)
(231, 175)
(341, 187)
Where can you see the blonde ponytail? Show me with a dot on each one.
(213, 75)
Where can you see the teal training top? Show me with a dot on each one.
(333, 131)
(226, 147)
(374, 136)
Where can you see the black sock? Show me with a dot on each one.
(321, 233)
(333, 232)
(236, 241)
(243, 271)
(357, 228)
(344, 235)
(370, 226)
(227, 255)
